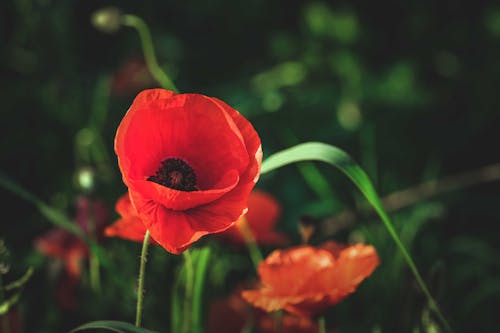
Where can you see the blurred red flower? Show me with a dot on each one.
(306, 280)
(263, 213)
(91, 216)
(130, 225)
(131, 77)
(232, 315)
(189, 162)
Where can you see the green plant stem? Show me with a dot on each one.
(250, 242)
(188, 292)
(95, 274)
(149, 54)
(140, 288)
(321, 325)
(278, 321)
(202, 260)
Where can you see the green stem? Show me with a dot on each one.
(321, 325)
(140, 290)
(278, 321)
(188, 292)
(95, 274)
(201, 269)
(148, 49)
(250, 242)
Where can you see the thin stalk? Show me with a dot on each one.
(278, 322)
(250, 242)
(138, 24)
(321, 325)
(140, 289)
(188, 292)
(95, 273)
(200, 272)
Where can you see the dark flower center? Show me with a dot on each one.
(177, 174)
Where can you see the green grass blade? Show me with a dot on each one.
(111, 325)
(317, 151)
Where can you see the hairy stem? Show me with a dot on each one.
(140, 288)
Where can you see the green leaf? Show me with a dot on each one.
(317, 151)
(111, 325)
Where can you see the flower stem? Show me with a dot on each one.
(278, 322)
(254, 250)
(140, 290)
(188, 292)
(149, 53)
(95, 274)
(321, 324)
(201, 265)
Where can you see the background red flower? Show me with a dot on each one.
(189, 162)
(306, 280)
(130, 225)
(132, 76)
(232, 315)
(91, 216)
(263, 213)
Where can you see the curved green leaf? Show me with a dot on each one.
(317, 151)
(111, 325)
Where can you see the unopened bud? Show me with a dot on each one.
(85, 178)
(108, 19)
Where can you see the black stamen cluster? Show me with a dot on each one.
(176, 174)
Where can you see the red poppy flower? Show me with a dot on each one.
(263, 213)
(130, 225)
(189, 162)
(305, 280)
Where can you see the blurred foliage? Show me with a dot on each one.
(409, 89)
